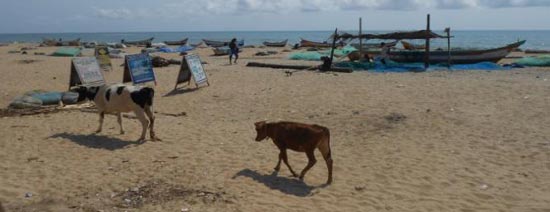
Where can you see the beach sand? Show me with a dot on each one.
(435, 141)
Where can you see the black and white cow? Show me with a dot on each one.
(120, 98)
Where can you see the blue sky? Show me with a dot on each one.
(38, 16)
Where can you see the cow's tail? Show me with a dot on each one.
(329, 155)
(149, 94)
(325, 144)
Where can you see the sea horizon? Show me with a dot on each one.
(536, 38)
(290, 30)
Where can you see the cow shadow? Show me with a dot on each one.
(292, 186)
(96, 141)
(177, 91)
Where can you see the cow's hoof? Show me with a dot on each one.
(277, 169)
(97, 131)
(141, 140)
(122, 132)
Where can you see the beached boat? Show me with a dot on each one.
(276, 44)
(75, 42)
(537, 51)
(224, 50)
(373, 45)
(54, 42)
(221, 51)
(410, 46)
(458, 56)
(307, 43)
(177, 43)
(49, 42)
(213, 43)
(139, 42)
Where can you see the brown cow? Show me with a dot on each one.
(298, 137)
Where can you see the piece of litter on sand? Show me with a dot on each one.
(184, 209)
(484, 186)
(28, 195)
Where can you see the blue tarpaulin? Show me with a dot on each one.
(391, 66)
(176, 50)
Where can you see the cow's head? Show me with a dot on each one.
(85, 92)
(261, 130)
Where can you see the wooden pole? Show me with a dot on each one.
(360, 40)
(427, 52)
(448, 30)
(333, 46)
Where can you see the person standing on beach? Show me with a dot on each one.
(233, 50)
(384, 53)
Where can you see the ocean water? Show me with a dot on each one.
(536, 39)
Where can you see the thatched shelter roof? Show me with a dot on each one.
(420, 34)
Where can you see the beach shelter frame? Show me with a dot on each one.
(426, 34)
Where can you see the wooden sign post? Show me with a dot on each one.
(191, 66)
(85, 71)
(102, 55)
(138, 68)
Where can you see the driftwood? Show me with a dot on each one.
(87, 107)
(297, 67)
(268, 65)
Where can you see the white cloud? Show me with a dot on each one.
(460, 4)
(113, 13)
(185, 8)
(456, 4)
(514, 3)
(402, 4)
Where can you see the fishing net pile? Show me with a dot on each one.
(541, 60)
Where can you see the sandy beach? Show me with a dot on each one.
(435, 141)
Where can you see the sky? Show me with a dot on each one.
(53, 16)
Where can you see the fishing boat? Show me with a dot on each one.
(224, 50)
(49, 42)
(276, 44)
(177, 43)
(54, 42)
(458, 56)
(213, 43)
(410, 46)
(221, 51)
(139, 42)
(75, 42)
(307, 43)
(373, 45)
